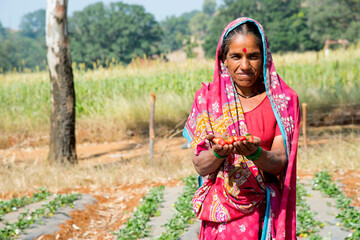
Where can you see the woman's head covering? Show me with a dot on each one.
(217, 110)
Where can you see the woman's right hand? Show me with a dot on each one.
(207, 162)
(220, 149)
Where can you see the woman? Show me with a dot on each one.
(249, 189)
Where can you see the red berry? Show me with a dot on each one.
(216, 140)
(230, 140)
(242, 138)
(222, 142)
(250, 138)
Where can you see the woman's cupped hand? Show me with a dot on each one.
(240, 147)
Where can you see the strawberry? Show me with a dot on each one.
(250, 137)
(230, 140)
(222, 142)
(216, 140)
(242, 138)
(239, 138)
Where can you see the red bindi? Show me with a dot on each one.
(244, 50)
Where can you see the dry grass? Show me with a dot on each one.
(335, 153)
(133, 167)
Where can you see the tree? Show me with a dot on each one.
(230, 10)
(2, 32)
(120, 31)
(278, 18)
(176, 31)
(334, 19)
(30, 52)
(62, 131)
(199, 24)
(217, 24)
(33, 24)
(30, 42)
(209, 7)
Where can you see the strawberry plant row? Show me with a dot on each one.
(26, 219)
(184, 211)
(306, 225)
(349, 216)
(7, 206)
(136, 226)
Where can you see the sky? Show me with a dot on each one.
(11, 11)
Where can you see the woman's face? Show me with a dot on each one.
(244, 60)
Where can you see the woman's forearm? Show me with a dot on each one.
(206, 162)
(272, 162)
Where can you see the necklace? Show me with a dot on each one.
(247, 96)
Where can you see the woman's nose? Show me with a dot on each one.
(244, 64)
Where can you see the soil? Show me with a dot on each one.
(115, 204)
(348, 179)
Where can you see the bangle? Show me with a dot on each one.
(218, 156)
(256, 155)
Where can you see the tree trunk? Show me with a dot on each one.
(62, 131)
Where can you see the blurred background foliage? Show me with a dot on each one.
(119, 32)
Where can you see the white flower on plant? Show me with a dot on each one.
(13, 208)
(215, 107)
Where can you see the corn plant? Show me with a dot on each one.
(121, 93)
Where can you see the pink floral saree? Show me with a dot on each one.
(235, 202)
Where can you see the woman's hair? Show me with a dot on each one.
(243, 29)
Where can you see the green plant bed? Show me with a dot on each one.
(26, 219)
(136, 226)
(7, 206)
(184, 211)
(349, 216)
(306, 225)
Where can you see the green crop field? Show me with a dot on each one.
(119, 96)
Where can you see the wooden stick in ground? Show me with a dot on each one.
(304, 124)
(151, 127)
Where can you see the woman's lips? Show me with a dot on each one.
(244, 74)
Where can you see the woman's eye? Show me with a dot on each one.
(254, 57)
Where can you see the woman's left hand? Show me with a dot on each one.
(245, 147)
